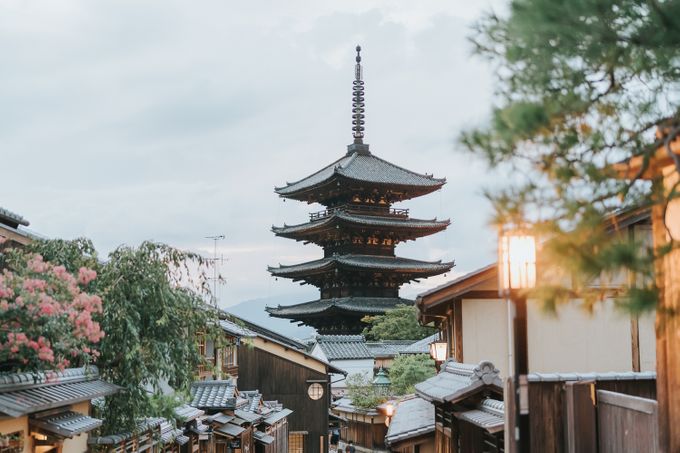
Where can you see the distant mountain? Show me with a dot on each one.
(253, 311)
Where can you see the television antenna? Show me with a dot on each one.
(215, 262)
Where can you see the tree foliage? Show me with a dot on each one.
(153, 311)
(581, 86)
(400, 323)
(362, 392)
(408, 370)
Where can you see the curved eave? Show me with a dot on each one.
(356, 305)
(363, 263)
(417, 227)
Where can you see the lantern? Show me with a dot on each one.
(516, 261)
(438, 350)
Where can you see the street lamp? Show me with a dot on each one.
(517, 274)
(438, 351)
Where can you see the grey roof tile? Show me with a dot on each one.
(112, 439)
(456, 381)
(413, 417)
(213, 395)
(606, 376)
(65, 424)
(263, 438)
(360, 167)
(488, 415)
(421, 346)
(240, 331)
(344, 347)
(230, 430)
(372, 305)
(186, 413)
(359, 262)
(12, 219)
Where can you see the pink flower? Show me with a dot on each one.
(86, 275)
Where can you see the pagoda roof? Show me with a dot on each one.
(363, 262)
(365, 167)
(359, 305)
(342, 216)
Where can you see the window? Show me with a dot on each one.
(229, 356)
(296, 442)
(315, 391)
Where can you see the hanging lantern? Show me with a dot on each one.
(438, 351)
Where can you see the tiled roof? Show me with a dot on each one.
(344, 217)
(65, 424)
(258, 330)
(413, 417)
(235, 329)
(263, 438)
(26, 393)
(360, 262)
(344, 347)
(12, 219)
(247, 416)
(607, 376)
(488, 415)
(420, 346)
(372, 305)
(213, 395)
(366, 168)
(274, 417)
(186, 413)
(388, 348)
(456, 381)
(230, 430)
(112, 439)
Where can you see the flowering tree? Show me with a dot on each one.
(47, 321)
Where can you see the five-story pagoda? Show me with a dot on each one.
(359, 273)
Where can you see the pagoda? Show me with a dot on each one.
(359, 273)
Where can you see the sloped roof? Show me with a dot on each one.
(388, 348)
(362, 262)
(112, 439)
(344, 347)
(26, 393)
(413, 417)
(240, 331)
(421, 346)
(214, 395)
(186, 413)
(488, 415)
(12, 219)
(66, 423)
(341, 216)
(369, 305)
(456, 381)
(606, 376)
(362, 167)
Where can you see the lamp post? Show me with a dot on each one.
(517, 274)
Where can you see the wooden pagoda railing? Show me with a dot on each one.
(360, 209)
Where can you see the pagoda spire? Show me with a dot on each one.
(358, 101)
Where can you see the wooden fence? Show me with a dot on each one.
(626, 423)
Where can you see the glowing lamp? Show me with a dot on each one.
(389, 409)
(516, 261)
(438, 351)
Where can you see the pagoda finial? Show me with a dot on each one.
(358, 101)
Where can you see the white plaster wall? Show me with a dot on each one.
(574, 341)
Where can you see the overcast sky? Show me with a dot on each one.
(174, 120)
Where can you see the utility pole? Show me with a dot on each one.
(215, 260)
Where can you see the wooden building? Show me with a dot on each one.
(411, 428)
(49, 412)
(473, 320)
(366, 428)
(281, 369)
(359, 273)
(469, 409)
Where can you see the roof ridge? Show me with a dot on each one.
(425, 175)
(288, 184)
(14, 381)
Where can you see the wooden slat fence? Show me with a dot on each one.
(626, 423)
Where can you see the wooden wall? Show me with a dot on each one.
(280, 379)
(368, 435)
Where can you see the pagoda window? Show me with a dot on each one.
(372, 240)
(387, 241)
(356, 199)
(357, 240)
(382, 201)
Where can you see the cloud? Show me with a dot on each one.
(173, 121)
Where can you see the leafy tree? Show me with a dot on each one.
(153, 311)
(408, 370)
(362, 392)
(581, 85)
(400, 323)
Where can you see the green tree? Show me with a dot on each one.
(408, 370)
(400, 323)
(581, 85)
(362, 392)
(153, 311)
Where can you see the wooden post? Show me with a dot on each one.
(521, 371)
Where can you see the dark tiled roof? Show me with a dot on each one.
(236, 329)
(361, 262)
(263, 438)
(186, 413)
(247, 415)
(26, 393)
(371, 305)
(213, 395)
(362, 167)
(66, 424)
(274, 417)
(420, 346)
(413, 417)
(607, 376)
(258, 330)
(12, 219)
(344, 347)
(230, 430)
(388, 348)
(366, 220)
(456, 381)
(488, 415)
(112, 439)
